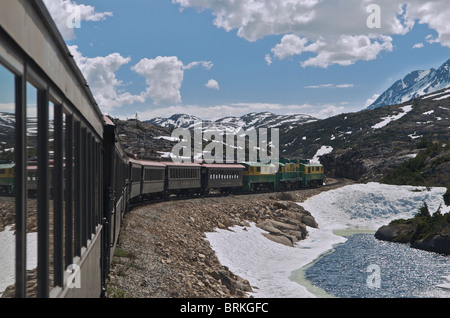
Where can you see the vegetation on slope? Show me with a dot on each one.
(419, 171)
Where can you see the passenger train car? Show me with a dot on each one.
(66, 198)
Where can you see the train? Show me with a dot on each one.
(146, 179)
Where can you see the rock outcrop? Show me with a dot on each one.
(404, 233)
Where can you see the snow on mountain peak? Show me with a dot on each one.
(415, 84)
(256, 120)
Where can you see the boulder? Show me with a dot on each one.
(438, 244)
(310, 221)
(295, 216)
(279, 239)
(283, 226)
(267, 226)
(386, 233)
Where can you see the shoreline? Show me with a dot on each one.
(298, 275)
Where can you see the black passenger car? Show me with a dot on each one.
(183, 178)
(222, 177)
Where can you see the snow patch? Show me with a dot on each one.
(387, 120)
(322, 151)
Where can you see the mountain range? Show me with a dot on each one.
(361, 146)
(251, 120)
(415, 84)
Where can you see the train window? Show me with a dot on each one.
(7, 200)
(68, 163)
(53, 230)
(32, 204)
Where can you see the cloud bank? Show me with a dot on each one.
(335, 31)
(163, 76)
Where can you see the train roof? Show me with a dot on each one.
(181, 164)
(312, 164)
(147, 163)
(108, 121)
(257, 164)
(223, 166)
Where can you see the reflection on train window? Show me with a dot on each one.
(51, 140)
(32, 176)
(7, 213)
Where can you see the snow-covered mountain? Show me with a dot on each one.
(174, 121)
(255, 120)
(415, 84)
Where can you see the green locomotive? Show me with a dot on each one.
(290, 174)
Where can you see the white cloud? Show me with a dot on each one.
(430, 39)
(345, 86)
(100, 74)
(347, 50)
(418, 46)
(331, 86)
(336, 31)
(329, 111)
(206, 64)
(164, 76)
(371, 100)
(213, 84)
(290, 45)
(268, 59)
(7, 107)
(62, 10)
(433, 13)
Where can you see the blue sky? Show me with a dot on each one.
(292, 56)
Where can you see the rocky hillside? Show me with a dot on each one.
(147, 141)
(414, 85)
(366, 145)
